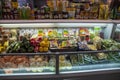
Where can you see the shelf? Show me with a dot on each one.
(27, 54)
(116, 21)
(78, 1)
(59, 53)
(88, 52)
(56, 21)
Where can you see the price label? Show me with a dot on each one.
(65, 33)
(40, 32)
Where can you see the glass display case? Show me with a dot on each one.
(89, 61)
(57, 47)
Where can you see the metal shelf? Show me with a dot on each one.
(27, 54)
(116, 21)
(88, 52)
(56, 21)
(59, 53)
(78, 1)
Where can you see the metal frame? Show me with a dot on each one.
(59, 53)
(113, 30)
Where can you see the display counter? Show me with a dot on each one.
(59, 49)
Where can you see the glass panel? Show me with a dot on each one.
(27, 65)
(117, 33)
(89, 62)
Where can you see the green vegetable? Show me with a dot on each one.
(30, 49)
(110, 44)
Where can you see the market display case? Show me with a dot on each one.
(58, 49)
(90, 62)
(59, 39)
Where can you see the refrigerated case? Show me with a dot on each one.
(61, 64)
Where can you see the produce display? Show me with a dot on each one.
(20, 46)
(4, 40)
(54, 40)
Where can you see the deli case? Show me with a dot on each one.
(59, 49)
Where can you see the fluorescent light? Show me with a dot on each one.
(27, 25)
(47, 25)
(81, 24)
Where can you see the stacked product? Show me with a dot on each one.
(57, 9)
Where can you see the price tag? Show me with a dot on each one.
(82, 32)
(40, 32)
(50, 33)
(65, 33)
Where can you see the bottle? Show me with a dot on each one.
(19, 9)
(32, 14)
(64, 4)
(15, 13)
(47, 9)
(55, 15)
(0, 9)
(77, 12)
(42, 15)
(8, 10)
(42, 9)
(50, 5)
(14, 4)
(27, 11)
(23, 12)
(60, 6)
(60, 15)
(115, 14)
(47, 16)
(38, 14)
(3, 10)
(12, 14)
(35, 12)
(55, 5)
(65, 15)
